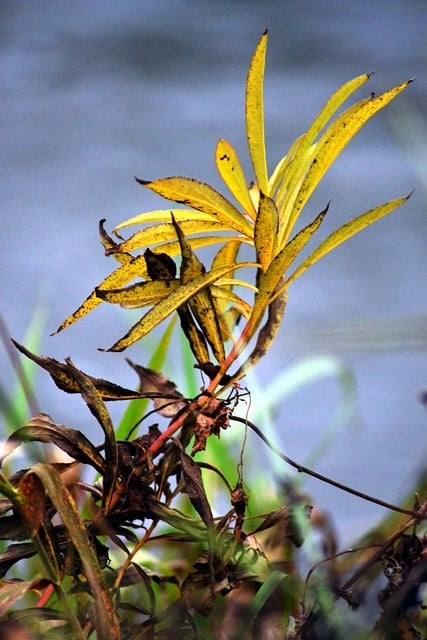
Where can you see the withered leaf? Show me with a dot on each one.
(160, 266)
(213, 417)
(14, 553)
(168, 401)
(41, 428)
(32, 502)
(63, 378)
(194, 488)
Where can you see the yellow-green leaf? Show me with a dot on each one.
(140, 294)
(193, 334)
(122, 275)
(345, 232)
(168, 305)
(230, 170)
(265, 232)
(255, 114)
(337, 136)
(163, 215)
(202, 197)
(331, 106)
(269, 280)
(164, 232)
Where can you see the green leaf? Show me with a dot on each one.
(255, 114)
(202, 197)
(345, 232)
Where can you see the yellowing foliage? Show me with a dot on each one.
(264, 218)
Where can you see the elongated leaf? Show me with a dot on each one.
(122, 275)
(194, 488)
(230, 170)
(263, 594)
(202, 197)
(93, 399)
(255, 114)
(337, 136)
(140, 294)
(65, 380)
(163, 215)
(167, 306)
(195, 337)
(295, 171)
(269, 280)
(201, 304)
(136, 409)
(266, 228)
(105, 619)
(33, 502)
(164, 232)
(345, 232)
(41, 428)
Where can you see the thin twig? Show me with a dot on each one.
(418, 515)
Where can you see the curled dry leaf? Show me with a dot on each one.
(169, 400)
(213, 417)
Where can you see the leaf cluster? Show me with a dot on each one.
(210, 301)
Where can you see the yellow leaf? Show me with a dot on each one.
(193, 334)
(255, 114)
(202, 197)
(168, 305)
(136, 268)
(163, 215)
(345, 232)
(337, 136)
(200, 304)
(166, 231)
(140, 294)
(265, 232)
(230, 170)
(269, 280)
(301, 154)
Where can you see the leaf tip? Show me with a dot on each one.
(143, 182)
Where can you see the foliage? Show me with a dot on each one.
(139, 551)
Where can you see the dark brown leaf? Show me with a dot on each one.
(41, 428)
(194, 488)
(64, 379)
(160, 266)
(169, 400)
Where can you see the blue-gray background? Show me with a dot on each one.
(94, 93)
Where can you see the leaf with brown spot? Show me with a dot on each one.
(32, 502)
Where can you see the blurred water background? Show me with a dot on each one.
(94, 93)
